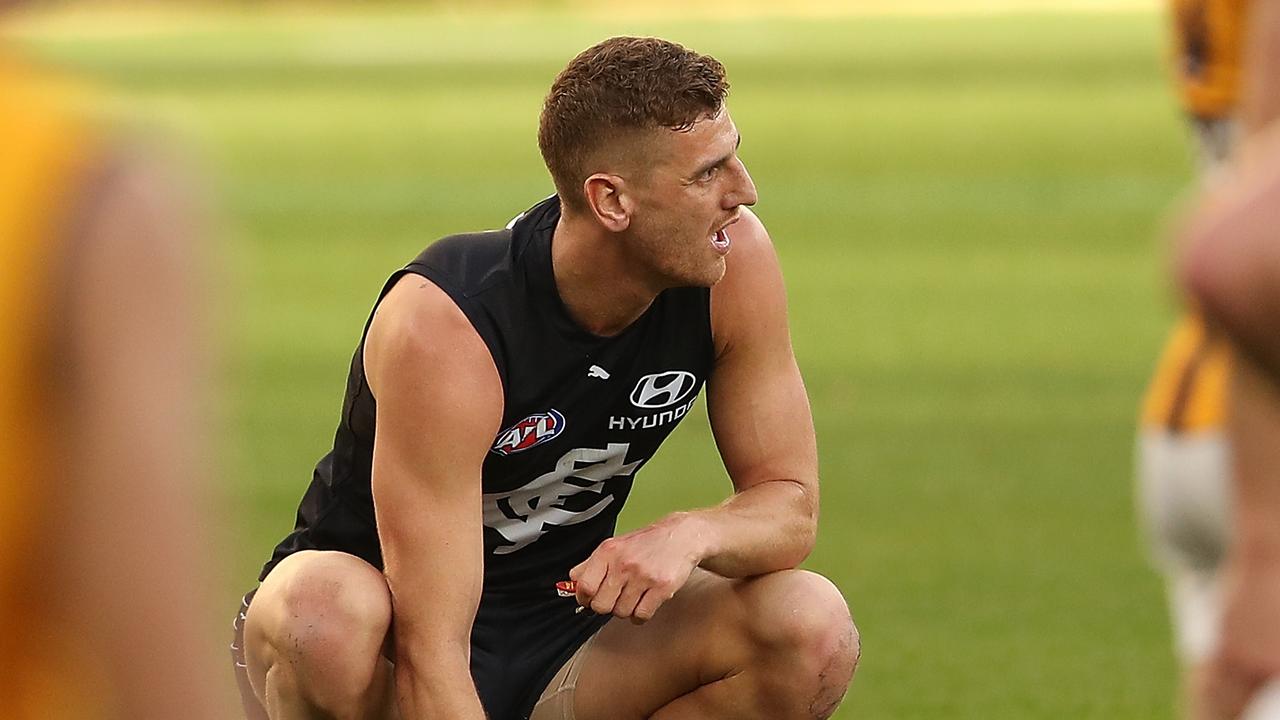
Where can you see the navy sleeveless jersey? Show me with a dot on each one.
(581, 416)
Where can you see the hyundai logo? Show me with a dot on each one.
(662, 389)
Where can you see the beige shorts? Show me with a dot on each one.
(556, 702)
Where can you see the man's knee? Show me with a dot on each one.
(337, 603)
(802, 617)
(316, 629)
(800, 610)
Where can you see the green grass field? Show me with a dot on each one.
(969, 214)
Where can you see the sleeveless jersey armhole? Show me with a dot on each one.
(709, 333)
(473, 311)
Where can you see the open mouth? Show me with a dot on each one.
(720, 240)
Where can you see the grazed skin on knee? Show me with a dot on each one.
(318, 632)
(834, 678)
(805, 643)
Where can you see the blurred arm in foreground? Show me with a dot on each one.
(136, 520)
(102, 525)
(1231, 263)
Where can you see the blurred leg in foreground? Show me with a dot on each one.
(102, 569)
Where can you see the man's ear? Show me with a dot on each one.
(609, 201)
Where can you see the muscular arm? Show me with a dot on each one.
(760, 417)
(439, 406)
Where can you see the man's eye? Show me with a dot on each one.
(707, 174)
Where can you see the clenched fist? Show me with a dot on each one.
(631, 575)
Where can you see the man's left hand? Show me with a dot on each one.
(632, 575)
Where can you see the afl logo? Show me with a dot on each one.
(662, 389)
(533, 430)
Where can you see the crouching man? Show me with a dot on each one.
(454, 556)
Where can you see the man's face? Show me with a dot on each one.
(694, 186)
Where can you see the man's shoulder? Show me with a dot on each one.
(750, 296)
(752, 255)
(476, 261)
(418, 324)
(466, 260)
(751, 227)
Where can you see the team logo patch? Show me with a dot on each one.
(533, 430)
(663, 389)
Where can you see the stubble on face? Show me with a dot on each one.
(674, 214)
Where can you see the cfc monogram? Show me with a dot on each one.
(574, 492)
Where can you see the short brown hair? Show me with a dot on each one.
(622, 84)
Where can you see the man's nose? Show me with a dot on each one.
(743, 190)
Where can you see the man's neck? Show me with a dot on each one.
(598, 288)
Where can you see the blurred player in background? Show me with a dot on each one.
(1183, 456)
(102, 592)
(1207, 38)
(1230, 264)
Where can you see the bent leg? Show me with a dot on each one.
(777, 646)
(314, 636)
